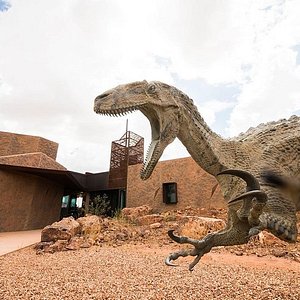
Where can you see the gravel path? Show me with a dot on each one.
(138, 272)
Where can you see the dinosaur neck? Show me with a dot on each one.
(202, 143)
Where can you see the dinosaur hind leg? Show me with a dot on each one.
(241, 224)
(236, 234)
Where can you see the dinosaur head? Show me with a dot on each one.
(157, 101)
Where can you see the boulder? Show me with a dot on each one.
(132, 213)
(267, 239)
(62, 230)
(74, 243)
(51, 247)
(87, 243)
(149, 219)
(90, 226)
(59, 245)
(198, 227)
(41, 246)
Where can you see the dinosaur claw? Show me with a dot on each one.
(252, 182)
(173, 236)
(170, 233)
(258, 194)
(169, 263)
(193, 264)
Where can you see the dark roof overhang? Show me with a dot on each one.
(71, 181)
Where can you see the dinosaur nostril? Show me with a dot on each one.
(102, 96)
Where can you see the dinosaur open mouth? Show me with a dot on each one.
(121, 111)
(153, 152)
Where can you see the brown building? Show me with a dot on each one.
(174, 184)
(32, 183)
(27, 199)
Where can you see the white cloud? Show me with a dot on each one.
(56, 57)
(210, 109)
(272, 90)
(5, 89)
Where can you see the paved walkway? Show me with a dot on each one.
(12, 241)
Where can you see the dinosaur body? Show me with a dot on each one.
(272, 146)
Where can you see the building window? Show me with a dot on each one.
(170, 192)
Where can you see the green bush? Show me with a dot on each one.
(99, 206)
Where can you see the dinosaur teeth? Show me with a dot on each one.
(118, 112)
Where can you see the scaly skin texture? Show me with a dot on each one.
(271, 146)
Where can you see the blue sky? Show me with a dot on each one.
(203, 94)
(238, 60)
(4, 5)
(297, 49)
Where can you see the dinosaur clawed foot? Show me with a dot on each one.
(175, 255)
(201, 247)
(241, 224)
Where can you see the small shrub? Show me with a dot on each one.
(99, 206)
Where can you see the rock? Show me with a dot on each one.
(171, 216)
(132, 213)
(51, 247)
(279, 253)
(90, 226)
(122, 236)
(42, 245)
(268, 239)
(149, 219)
(198, 227)
(74, 243)
(155, 225)
(59, 245)
(62, 230)
(87, 243)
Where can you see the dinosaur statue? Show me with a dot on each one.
(252, 207)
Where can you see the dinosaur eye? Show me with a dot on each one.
(151, 88)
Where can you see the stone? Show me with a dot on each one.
(87, 243)
(132, 213)
(198, 227)
(121, 236)
(155, 225)
(74, 243)
(268, 239)
(42, 245)
(90, 226)
(59, 245)
(279, 253)
(149, 219)
(51, 247)
(62, 230)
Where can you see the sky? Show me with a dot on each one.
(238, 60)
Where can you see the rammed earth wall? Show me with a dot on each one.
(28, 201)
(194, 186)
(13, 143)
